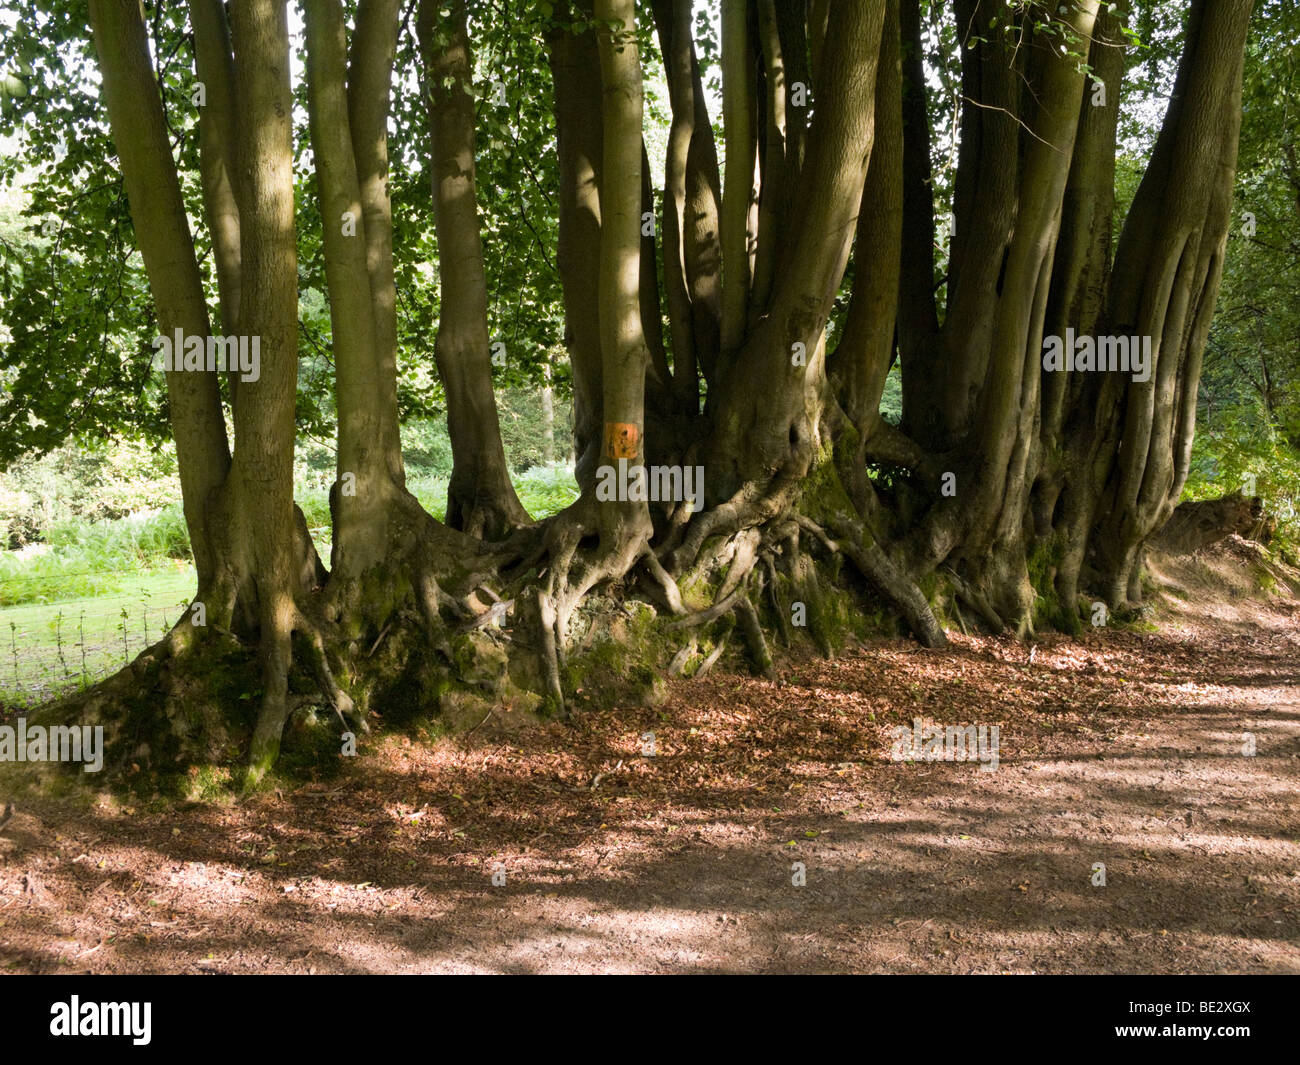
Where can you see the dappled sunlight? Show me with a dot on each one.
(609, 859)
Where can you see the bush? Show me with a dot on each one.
(523, 428)
(426, 448)
(86, 480)
(1239, 454)
(546, 490)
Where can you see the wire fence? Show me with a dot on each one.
(51, 648)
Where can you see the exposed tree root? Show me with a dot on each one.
(976, 600)
(678, 664)
(755, 503)
(888, 578)
(440, 600)
(320, 646)
(739, 604)
(711, 660)
(710, 614)
(663, 580)
(427, 565)
(752, 630)
(572, 572)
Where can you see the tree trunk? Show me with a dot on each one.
(215, 67)
(262, 471)
(1165, 282)
(370, 75)
(167, 247)
(575, 68)
(624, 353)
(363, 487)
(739, 107)
(481, 499)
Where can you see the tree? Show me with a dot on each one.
(748, 329)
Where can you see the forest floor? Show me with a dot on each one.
(1124, 748)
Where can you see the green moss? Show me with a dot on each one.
(700, 587)
(210, 784)
(1067, 621)
(619, 665)
(1264, 580)
(479, 660)
(1048, 610)
(1042, 563)
(827, 607)
(823, 494)
(312, 746)
(932, 586)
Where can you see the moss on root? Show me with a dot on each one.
(170, 728)
(180, 728)
(700, 587)
(1041, 564)
(823, 496)
(620, 656)
(837, 606)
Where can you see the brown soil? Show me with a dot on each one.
(1123, 748)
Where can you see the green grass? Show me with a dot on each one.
(52, 576)
(49, 647)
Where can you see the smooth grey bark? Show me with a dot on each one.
(575, 71)
(370, 77)
(262, 470)
(167, 247)
(363, 485)
(481, 498)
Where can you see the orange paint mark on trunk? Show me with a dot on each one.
(622, 440)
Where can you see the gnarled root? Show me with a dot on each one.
(747, 616)
(976, 600)
(572, 572)
(888, 579)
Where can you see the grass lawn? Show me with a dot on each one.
(46, 648)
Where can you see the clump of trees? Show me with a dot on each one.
(746, 322)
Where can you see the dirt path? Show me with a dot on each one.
(1124, 750)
